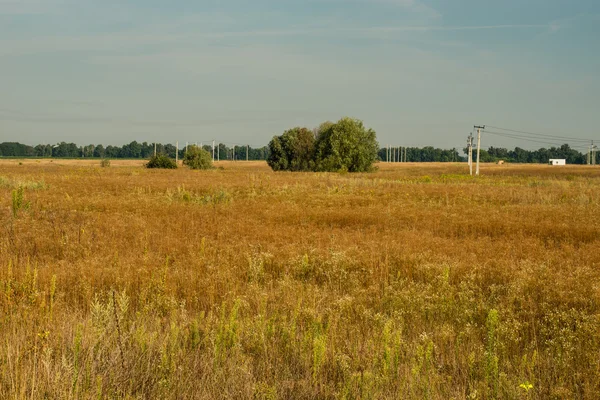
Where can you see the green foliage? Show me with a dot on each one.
(346, 146)
(293, 151)
(14, 149)
(197, 158)
(278, 158)
(161, 161)
(18, 201)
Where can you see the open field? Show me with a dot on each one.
(414, 282)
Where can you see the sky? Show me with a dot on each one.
(419, 72)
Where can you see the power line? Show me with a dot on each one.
(547, 142)
(541, 134)
(535, 140)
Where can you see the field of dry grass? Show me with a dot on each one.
(413, 282)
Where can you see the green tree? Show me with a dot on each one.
(197, 158)
(99, 151)
(64, 149)
(346, 146)
(131, 150)
(294, 150)
(278, 159)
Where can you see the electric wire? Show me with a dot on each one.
(539, 134)
(546, 142)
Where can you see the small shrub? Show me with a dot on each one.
(105, 163)
(197, 158)
(161, 161)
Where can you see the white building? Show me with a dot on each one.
(557, 161)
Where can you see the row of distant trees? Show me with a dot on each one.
(224, 152)
(542, 155)
(131, 150)
(422, 154)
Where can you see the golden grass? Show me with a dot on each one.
(416, 281)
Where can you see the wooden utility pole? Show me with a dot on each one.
(479, 128)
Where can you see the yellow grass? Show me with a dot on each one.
(414, 282)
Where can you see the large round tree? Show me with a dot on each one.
(345, 146)
(292, 151)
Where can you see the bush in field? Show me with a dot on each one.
(346, 146)
(105, 163)
(292, 151)
(342, 146)
(197, 158)
(161, 161)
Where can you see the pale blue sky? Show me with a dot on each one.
(420, 72)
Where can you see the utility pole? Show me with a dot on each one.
(154, 149)
(470, 153)
(479, 128)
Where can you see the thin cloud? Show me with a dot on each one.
(30, 7)
(119, 41)
(415, 6)
(19, 116)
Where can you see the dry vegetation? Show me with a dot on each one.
(414, 282)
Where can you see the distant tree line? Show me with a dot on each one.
(492, 154)
(543, 155)
(223, 152)
(422, 154)
(131, 150)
